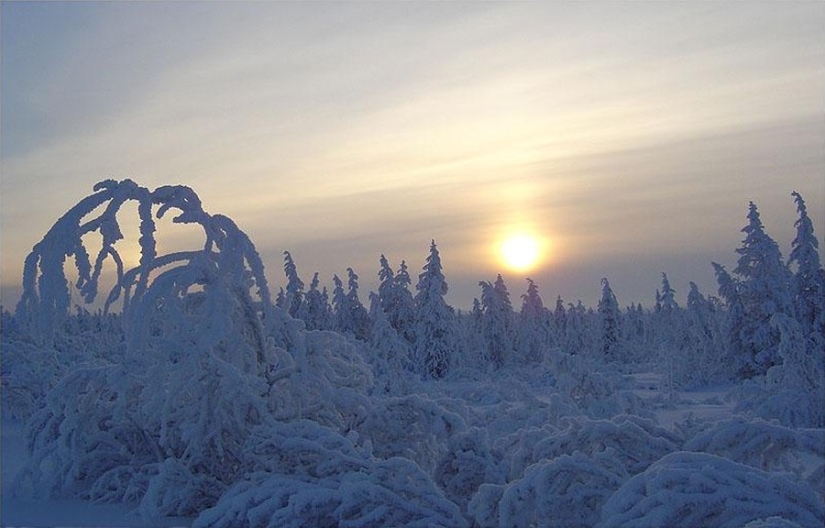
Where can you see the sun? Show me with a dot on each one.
(520, 252)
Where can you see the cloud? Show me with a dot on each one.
(348, 130)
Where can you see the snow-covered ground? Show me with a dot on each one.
(29, 511)
(708, 404)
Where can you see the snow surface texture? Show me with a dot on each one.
(205, 402)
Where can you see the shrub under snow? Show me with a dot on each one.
(698, 489)
(304, 474)
(767, 446)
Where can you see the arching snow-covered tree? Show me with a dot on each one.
(45, 299)
(434, 332)
(165, 423)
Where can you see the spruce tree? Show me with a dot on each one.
(497, 322)
(734, 358)
(534, 332)
(386, 286)
(703, 353)
(404, 314)
(396, 299)
(318, 313)
(340, 306)
(609, 316)
(434, 332)
(809, 277)
(361, 325)
(667, 298)
(389, 351)
(560, 320)
(294, 297)
(764, 290)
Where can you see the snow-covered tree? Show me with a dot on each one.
(733, 359)
(340, 308)
(675, 359)
(534, 332)
(403, 315)
(360, 315)
(498, 322)
(793, 391)
(704, 340)
(579, 335)
(294, 298)
(559, 319)
(386, 285)
(764, 289)
(396, 299)
(637, 333)
(809, 277)
(318, 314)
(389, 353)
(609, 315)
(350, 315)
(165, 423)
(434, 331)
(667, 297)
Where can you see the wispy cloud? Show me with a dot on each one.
(345, 130)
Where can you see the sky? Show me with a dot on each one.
(626, 138)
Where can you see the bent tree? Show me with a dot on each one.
(226, 266)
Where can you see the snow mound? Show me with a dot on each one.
(309, 475)
(697, 489)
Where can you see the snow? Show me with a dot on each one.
(560, 478)
(204, 404)
(16, 510)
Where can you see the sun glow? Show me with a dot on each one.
(521, 252)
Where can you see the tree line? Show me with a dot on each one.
(735, 335)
